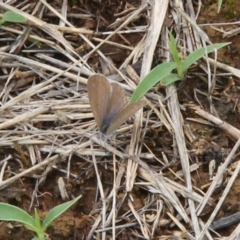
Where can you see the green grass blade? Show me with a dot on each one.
(2, 21)
(37, 219)
(174, 52)
(173, 48)
(199, 53)
(9, 212)
(39, 229)
(151, 79)
(57, 211)
(39, 238)
(219, 5)
(169, 79)
(10, 16)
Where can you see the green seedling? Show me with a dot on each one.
(163, 72)
(10, 16)
(9, 212)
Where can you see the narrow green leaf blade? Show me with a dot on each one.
(37, 219)
(39, 229)
(10, 16)
(199, 53)
(174, 52)
(9, 212)
(151, 79)
(173, 48)
(57, 211)
(2, 21)
(38, 238)
(169, 79)
(219, 5)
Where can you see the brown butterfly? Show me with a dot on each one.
(108, 103)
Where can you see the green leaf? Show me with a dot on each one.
(39, 229)
(35, 42)
(57, 211)
(174, 52)
(199, 53)
(9, 212)
(169, 79)
(38, 238)
(37, 219)
(10, 16)
(219, 5)
(2, 21)
(162, 71)
(156, 74)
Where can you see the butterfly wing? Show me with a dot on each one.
(125, 114)
(116, 104)
(99, 93)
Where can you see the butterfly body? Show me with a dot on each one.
(108, 103)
